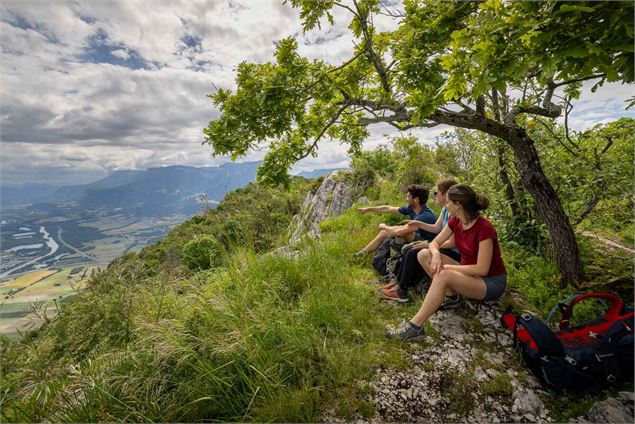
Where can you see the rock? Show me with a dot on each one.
(618, 409)
(334, 196)
(527, 402)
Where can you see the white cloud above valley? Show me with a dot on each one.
(88, 87)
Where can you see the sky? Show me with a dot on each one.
(87, 87)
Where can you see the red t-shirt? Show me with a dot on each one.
(467, 241)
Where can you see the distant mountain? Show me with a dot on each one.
(24, 193)
(318, 172)
(163, 191)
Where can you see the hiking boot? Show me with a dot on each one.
(451, 302)
(389, 286)
(407, 334)
(394, 294)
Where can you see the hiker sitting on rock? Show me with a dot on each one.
(416, 209)
(410, 272)
(481, 274)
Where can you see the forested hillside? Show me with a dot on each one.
(207, 325)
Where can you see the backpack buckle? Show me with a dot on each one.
(599, 357)
(525, 316)
(611, 378)
(570, 360)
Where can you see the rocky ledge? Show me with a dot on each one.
(465, 372)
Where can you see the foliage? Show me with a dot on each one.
(590, 166)
(445, 53)
(453, 63)
(202, 252)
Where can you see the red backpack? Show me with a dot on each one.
(583, 359)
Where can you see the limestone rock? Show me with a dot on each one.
(617, 409)
(334, 196)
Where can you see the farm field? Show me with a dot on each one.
(44, 291)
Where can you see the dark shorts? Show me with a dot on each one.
(495, 286)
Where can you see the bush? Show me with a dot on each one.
(203, 252)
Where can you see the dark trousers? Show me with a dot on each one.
(411, 271)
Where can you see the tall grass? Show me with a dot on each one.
(268, 338)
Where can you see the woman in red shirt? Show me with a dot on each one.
(481, 273)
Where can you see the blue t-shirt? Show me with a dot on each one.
(426, 216)
(445, 216)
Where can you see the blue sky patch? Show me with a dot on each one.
(101, 50)
(18, 21)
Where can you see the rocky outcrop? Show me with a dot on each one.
(618, 409)
(464, 372)
(334, 196)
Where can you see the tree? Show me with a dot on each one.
(477, 65)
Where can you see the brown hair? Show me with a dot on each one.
(444, 185)
(420, 192)
(471, 202)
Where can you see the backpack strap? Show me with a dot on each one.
(560, 307)
(613, 312)
(605, 357)
(546, 341)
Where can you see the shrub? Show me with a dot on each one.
(203, 252)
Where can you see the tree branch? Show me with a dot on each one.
(581, 79)
(321, 78)
(326, 127)
(372, 55)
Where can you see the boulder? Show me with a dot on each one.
(334, 196)
(618, 409)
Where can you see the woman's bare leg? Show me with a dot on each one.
(467, 285)
(425, 258)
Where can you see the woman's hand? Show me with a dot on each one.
(362, 210)
(436, 264)
(421, 244)
(412, 223)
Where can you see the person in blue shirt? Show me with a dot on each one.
(416, 210)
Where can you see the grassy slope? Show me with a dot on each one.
(265, 338)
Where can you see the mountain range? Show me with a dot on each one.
(161, 191)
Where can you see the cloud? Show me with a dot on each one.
(89, 87)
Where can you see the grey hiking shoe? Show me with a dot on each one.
(407, 334)
(451, 302)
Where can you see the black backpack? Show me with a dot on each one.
(580, 360)
(385, 262)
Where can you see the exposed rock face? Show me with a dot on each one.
(334, 196)
(617, 409)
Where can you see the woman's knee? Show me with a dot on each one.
(424, 255)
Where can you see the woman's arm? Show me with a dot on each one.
(431, 228)
(435, 245)
(483, 260)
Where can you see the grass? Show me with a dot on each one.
(269, 339)
(262, 338)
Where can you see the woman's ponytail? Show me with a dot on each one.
(482, 202)
(469, 200)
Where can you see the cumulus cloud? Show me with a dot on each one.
(89, 87)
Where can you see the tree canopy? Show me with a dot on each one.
(439, 66)
(475, 65)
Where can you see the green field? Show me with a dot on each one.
(32, 297)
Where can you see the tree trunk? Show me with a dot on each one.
(536, 183)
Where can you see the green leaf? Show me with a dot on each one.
(575, 8)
